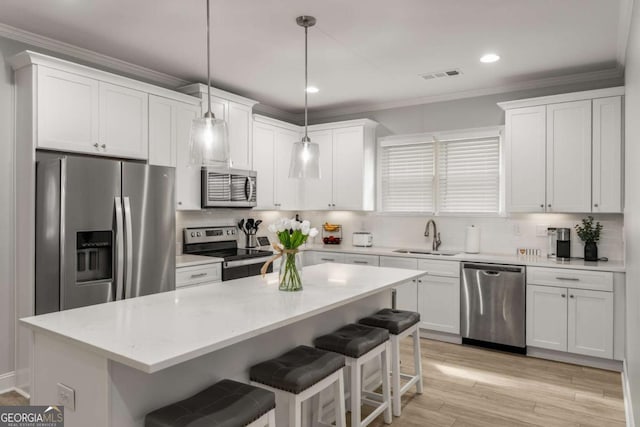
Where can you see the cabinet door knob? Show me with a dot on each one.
(96, 145)
(104, 146)
(549, 205)
(564, 296)
(329, 204)
(542, 206)
(180, 203)
(595, 205)
(570, 296)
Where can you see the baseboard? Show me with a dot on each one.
(575, 359)
(440, 336)
(626, 391)
(7, 382)
(22, 393)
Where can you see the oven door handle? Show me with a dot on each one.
(251, 186)
(248, 261)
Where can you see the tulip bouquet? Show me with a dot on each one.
(291, 234)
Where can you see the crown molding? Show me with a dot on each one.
(611, 73)
(564, 97)
(276, 113)
(624, 27)
(83, 54)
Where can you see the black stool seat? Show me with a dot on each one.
(297, 369)
(224, 404)
(395, 321)
(352, 340)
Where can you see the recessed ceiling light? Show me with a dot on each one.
(312, 89)
(489, 58)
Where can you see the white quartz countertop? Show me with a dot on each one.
(193, 260)
(577, 264)
(157, 331)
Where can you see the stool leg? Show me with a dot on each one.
(272, 418)
(338, 394)
(395, 375)
(386, 392)
(417, 358)
(356, 394)
(295, 412)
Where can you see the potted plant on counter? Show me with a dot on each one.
(590, 235)
(291, 235)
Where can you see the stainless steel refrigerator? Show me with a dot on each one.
(105, 230)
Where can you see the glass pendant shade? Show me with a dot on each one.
(305, 160)
(209, 142)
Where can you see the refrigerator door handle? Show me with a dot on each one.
(119, 270)
(129, 249)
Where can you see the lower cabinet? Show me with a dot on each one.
(199, 274)
(577, 321)
(406, 293)
(360, 259)
(439, 303)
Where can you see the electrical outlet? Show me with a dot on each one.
(66, 397)
(541, 230)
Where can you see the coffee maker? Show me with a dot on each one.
(563, 243)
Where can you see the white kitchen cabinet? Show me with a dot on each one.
(525, 159)
(577, 319)
(272, 142)
(590, 323)
(569, 157)
(406, 293)
(197, 275)
(162, 130)
(321, 257)
(188, 186)
(77, 113)
(607, 155)
(439, 295)
(547, 317)
(318, 193)
(67, 111)
(347, 159)
(237, 112)
(361, 259)
(564, 152)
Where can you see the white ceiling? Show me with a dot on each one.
(362, 52)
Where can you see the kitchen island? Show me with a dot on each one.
(126, 358)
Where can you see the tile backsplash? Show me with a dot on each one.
(498, 235)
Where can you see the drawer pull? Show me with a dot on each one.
(572, 279)
(360, 262)
(195, 276)
(327, 259)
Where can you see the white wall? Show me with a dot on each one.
(632, 212)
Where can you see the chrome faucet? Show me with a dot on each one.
(436, 236)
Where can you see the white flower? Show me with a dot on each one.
(280, 226)
(272, 228)
(286, 223)
(305, 227)
(313, 232)
(295, 225)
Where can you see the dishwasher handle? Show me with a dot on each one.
(490, 273)
(494, 269)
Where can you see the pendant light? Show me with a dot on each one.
(209, 140)
(305, 156)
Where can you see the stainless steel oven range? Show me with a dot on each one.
(221, 242)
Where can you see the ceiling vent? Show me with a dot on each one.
(441, 74)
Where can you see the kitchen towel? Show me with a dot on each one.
(472, 242)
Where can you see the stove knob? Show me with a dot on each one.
(193, 234)
(199, 234)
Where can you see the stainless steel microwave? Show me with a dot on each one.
(228, 188)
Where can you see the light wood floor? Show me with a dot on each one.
(466, 386)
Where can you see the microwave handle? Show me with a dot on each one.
(251, 188)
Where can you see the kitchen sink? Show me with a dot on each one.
(425, 252)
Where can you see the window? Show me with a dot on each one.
(449, 173)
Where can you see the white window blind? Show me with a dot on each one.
(469, 175)
(407, 177)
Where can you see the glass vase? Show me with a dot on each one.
(291, 272)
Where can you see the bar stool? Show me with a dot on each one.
(400, 324)
(225, 404)
(300, 374)
(360, 344)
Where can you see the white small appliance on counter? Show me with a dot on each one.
(362, 238)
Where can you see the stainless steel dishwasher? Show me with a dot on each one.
(492, 306)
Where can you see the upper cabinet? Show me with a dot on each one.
(347, 155)
(557, 149)
(78, 109)
(237, 112)
(77, 113)
(272, 142)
